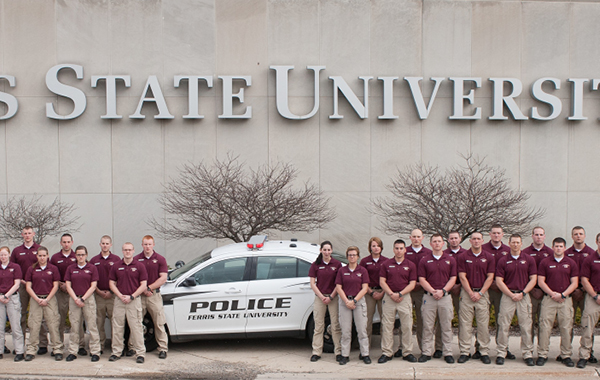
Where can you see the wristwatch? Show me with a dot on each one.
(596, 297)
(399, 294)
(132, 298)
(330, 297)
(444, 292)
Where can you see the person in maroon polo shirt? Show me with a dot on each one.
(539, 251)
(374, 297)
(414, 253)
(81, 279)
(105, 299)
(589, 275)
(62, 260)
(322, 274)
(158, 270)
(516, 275)
(128, 280)
(558, 277)
(25, 256)
(10, 305)
(437, 275)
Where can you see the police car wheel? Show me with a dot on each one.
(149, 337)
(328, 346)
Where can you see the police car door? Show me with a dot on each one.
(280, 295)
(215, 304)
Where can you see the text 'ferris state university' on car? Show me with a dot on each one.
(256, 289)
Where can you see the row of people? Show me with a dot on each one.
(39, 291)
(436, 282)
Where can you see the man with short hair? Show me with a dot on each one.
(589, 273)
(476, 269)
(557, 277)
(157, 269)
(128, 279)
(437, 275)
(397, 278)
(516, 275)
(414, 253)
(105, 299)
(539, 251)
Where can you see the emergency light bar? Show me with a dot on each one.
(257, 242)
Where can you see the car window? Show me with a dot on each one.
(175, 274)
(268, 268)
(230, 270)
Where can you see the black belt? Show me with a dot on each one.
(516, 291)
(376, 287)
(80, 296)
(350, 297)
(43, 296)
(157, 290)
(431, 294)
(476, 289)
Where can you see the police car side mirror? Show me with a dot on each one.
(190, 281)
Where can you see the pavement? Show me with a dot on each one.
(285, 359)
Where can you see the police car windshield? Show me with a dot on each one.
(179, 271)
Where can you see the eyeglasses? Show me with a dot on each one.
(352, 255)
(80, 254)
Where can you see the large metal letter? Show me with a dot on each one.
(500, 99)
(228, 96)
(460, 97)
(111, 92)
(193, 112)
(538, 93)
(75, 94)
(417, 95)
(157, 97)
(340, 85)
(388, 98)
(282, 91)
(11, 102)
(577, 100)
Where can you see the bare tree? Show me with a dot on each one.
(47, 219)
(465, 198)
(228, 200)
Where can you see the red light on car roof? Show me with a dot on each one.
(250, 246)
(259, 245)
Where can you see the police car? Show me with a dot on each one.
(256, 289)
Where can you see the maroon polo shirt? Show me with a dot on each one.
(155, 265)
(414, 256)
(24, 257)
(398, 274)
(579, 256)
(63, 262)
(516, 272)
(325, 275)
(373, 267)
(352, 281)
(451, 253)
(8, 276)
(477, 267)
(103, 265)
(591, 270)
(81, 278)
(558, 274)
(42, 280)
(128, 277)
(437, 272)
(503, 250)
(539, 255)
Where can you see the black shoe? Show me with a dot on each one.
(58, 357)
(541, 361)
(366, 359)
(581, 363)
(19, 357)
(82, 352)
(6, 350)
(424, 358)
(344, 360)
(500, 360)
(52, 353)
(410, 358)
(139, 360)
(129, 353)
(113, 358)
(14, 352)
(398, 354)
(95, 358)
(1, 356)
(313, 358)
(384, 359)
(592, 359)
(529, 362)
(437, 354)
(29, 358)
(338, 358)
(559, 358)
(163, 355)
(71, 357)
(42, 351)
(510, 356)
(568, 362)
(485, 359)
(476, 355)
(449, 359)
(463, 358)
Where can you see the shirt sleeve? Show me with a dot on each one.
(338, 277)
(113, 273)
(68, 274)
(18, 273)
(491, 268)
(163, 268)
(55, 274)
(413, 271)
(28, 274)
(95, 275)
(453, 270)
(143, 272)
(574, 270)
(500, 267)
(365, 277)
(532, 266)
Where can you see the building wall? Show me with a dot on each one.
(113, 170)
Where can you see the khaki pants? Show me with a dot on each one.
(432, 309)
(372, 304)
(132, 312)
(13, 310)
(319, 312)
(104, 309)
(154, 306)
(417, 298)
(24, 298)
(360, 321)
(481, 311)
(88, 311)
(590, 316)
(507, 310)
(549, 312)
(388, 317)
(63, 300)
(36, 314)
(438, 329)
